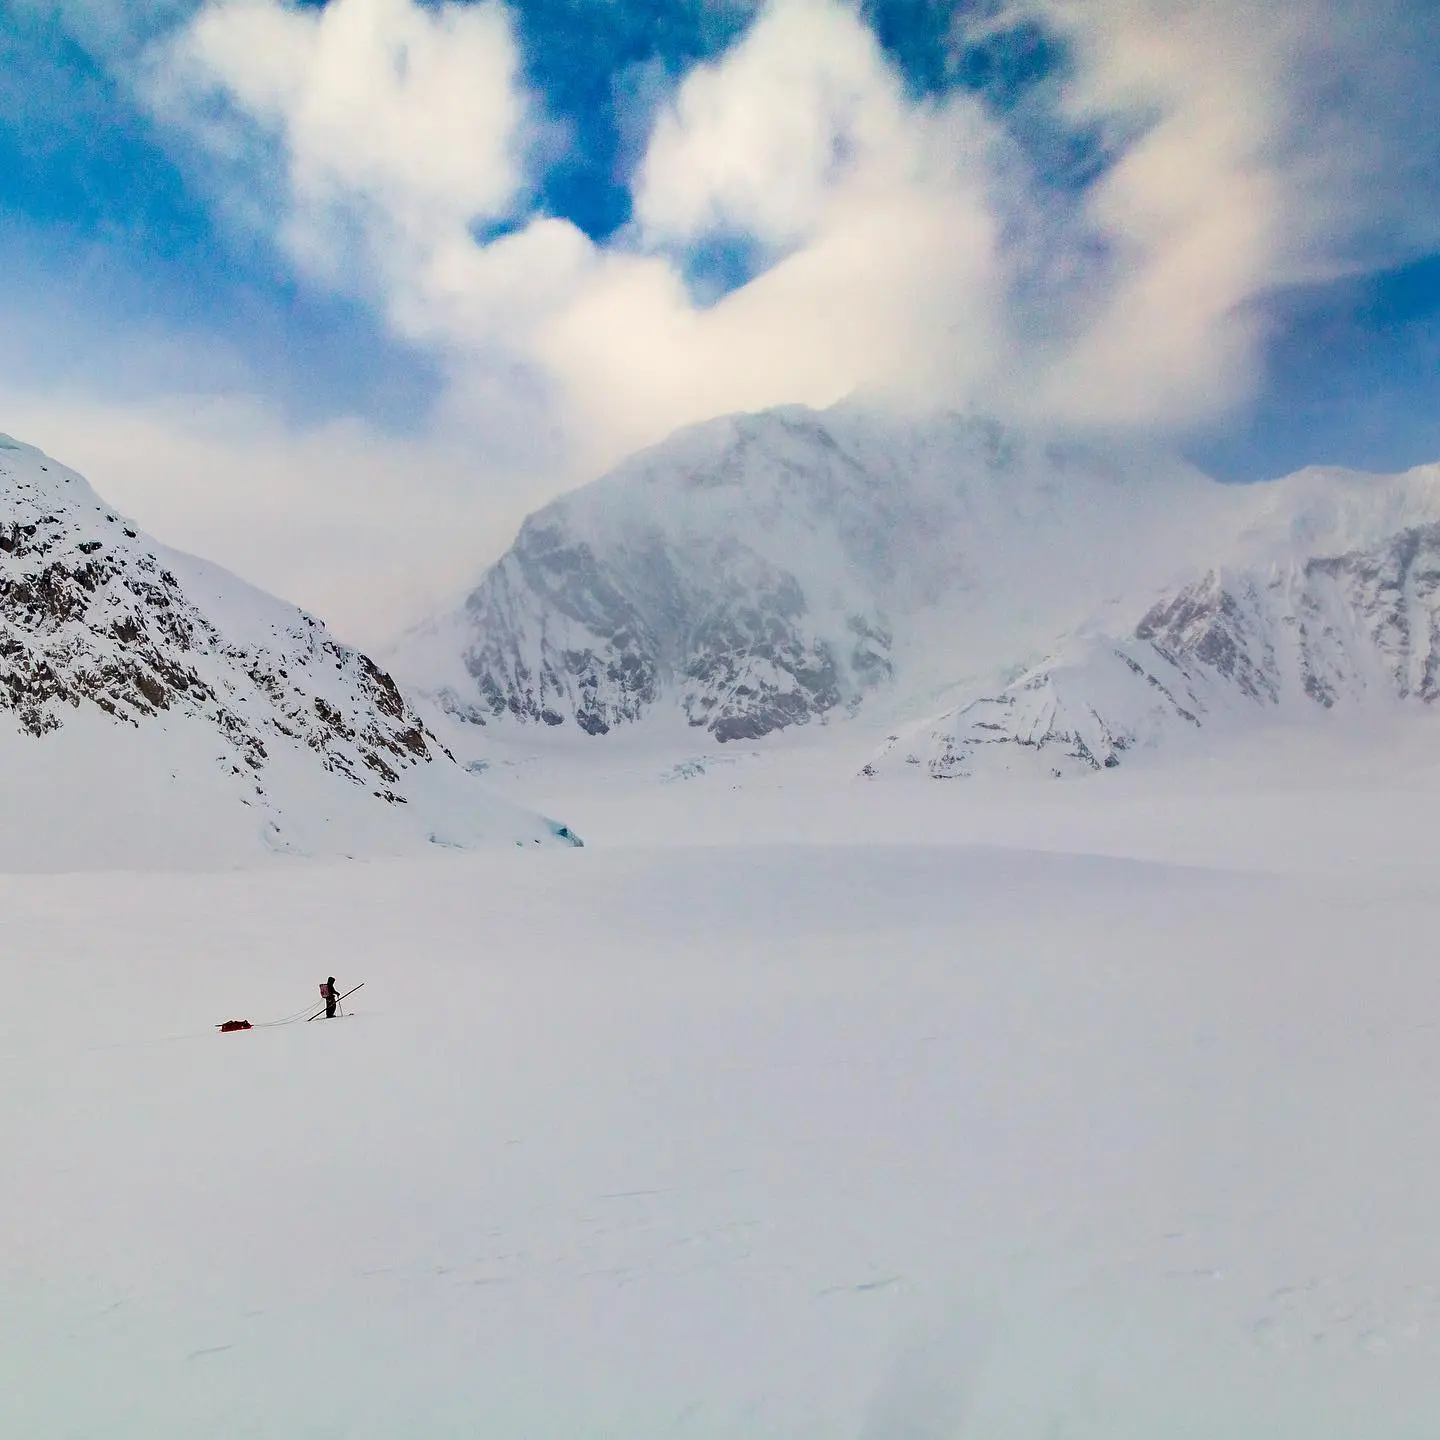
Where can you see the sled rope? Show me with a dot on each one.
(233, 1026)
(288, 1020)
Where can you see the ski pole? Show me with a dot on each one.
(338, 999)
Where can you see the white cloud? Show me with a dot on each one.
(399, 122)
(917, 256)
(403, 125)
(758, 142)
(801, 135)
(1256, 169)
(637, 356)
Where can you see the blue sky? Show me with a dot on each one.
(105, 229)
(553, 229)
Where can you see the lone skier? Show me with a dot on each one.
(332, 998)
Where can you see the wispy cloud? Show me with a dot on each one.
(1271, 146)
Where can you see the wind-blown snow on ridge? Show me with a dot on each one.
(1001, 600)
(164, 711)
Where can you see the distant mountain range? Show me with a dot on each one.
(975, 598)
(163, 710)
(993, 599)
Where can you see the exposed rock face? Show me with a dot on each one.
(555, 639)
(96, 620)
(1339, 625)
(1214, 627)
(1356, 629)
(681, 589)
(1042, 604)
(92, 614)
(753, 574)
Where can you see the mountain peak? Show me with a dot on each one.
(762, 571)
(994, 596)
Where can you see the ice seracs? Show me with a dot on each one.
(160, 708)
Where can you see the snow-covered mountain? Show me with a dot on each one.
(1328, 598)
(995, 599)
(759, 572)
(161, 710)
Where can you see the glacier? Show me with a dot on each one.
(798, 1109)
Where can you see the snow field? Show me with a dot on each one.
(808, 1139)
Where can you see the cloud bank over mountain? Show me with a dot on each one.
(902, 242)
(789, 206)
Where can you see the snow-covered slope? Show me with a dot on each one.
(764, 571)
(842, 1125)
(155, 709)
(996, 600)
(1331, 601)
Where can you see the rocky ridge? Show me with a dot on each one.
(1355, 630)
(96, 619)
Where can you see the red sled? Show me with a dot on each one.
(230, 1025)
